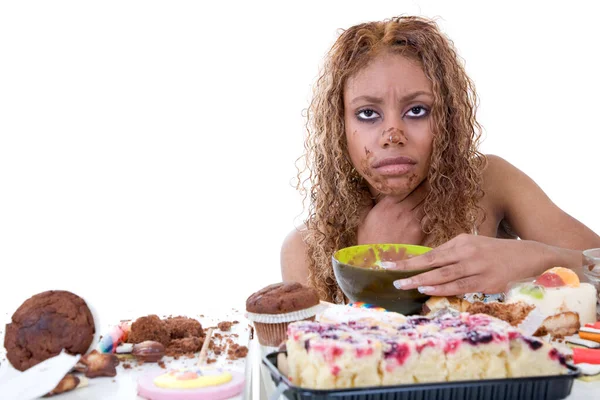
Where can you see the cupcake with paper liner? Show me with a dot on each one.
(274, 307)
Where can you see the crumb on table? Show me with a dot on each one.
(236, 351)
(224, 326)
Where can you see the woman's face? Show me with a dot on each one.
(387, 109)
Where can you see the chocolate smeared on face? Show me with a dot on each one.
(394, 135)
(375, 180)
(413, 181)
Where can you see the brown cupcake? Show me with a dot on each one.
(273, 308)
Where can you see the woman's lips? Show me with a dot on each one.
(394, 165)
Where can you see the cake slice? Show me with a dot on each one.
(558, 290)
(531, 356)
(399, 361)
(560, 325)
(327, 356)
(447, 348)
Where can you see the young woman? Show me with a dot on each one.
(392, 157)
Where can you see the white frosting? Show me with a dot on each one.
(581, 300)
(336, 313)
(283, 318)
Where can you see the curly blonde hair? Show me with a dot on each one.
(336, 191)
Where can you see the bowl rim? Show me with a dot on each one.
(382, 270)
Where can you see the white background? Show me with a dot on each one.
(147, 148)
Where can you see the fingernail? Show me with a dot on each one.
(387, 264)
(425, 289)
(402, 283)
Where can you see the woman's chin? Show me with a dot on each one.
(392, 191)
(395, 187)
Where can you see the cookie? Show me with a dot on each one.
(44, 325)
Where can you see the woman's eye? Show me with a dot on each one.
(367, 114)
(417, 111)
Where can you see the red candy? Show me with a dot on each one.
(588, 356)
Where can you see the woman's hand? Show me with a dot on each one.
(394, 220)
(471, 263)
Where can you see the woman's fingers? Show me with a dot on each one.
(438, 257)
(436, 277)
(458, 287)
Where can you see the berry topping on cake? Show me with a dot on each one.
(416, 350)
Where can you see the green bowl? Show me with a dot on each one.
(360, 283)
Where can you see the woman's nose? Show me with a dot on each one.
(393, 136)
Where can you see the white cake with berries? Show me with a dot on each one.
(418, 349)
(558, 290)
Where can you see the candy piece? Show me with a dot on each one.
(117, 335)
(149, 390)
(360, 304)
(148, 351)
(125, 348)
(575, 339)
(590, 334)
(68, 383)
(589, 356)
(557, 277)
(589, 369)
(97, 364)
(591, 330)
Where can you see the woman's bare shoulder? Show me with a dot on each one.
(294, 258)
(500, 178)
(496, 167)
(528, 210)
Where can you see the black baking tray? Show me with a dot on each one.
(534, 388)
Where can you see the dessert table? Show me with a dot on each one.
(259, 384)
(124, 384)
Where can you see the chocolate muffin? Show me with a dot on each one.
(151, 328)
(272, 308)
(44, 325)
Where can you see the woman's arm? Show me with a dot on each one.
(530, 212)
(471, 263)
(294, 260)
